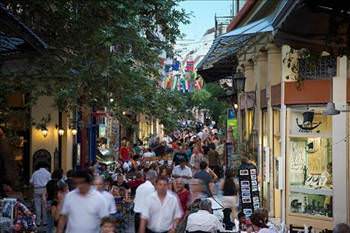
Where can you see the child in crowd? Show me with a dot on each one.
(108, 225)
(244, 223)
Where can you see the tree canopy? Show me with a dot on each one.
(210, 99)
(102, 53)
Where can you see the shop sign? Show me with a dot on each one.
(309, 123)
(232, 123)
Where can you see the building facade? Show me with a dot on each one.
(299, 144)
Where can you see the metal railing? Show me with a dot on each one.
(323, 68)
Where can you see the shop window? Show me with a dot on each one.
(310, 167)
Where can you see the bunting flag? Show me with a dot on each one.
(176, 65)
(189, 66)
(188, 85)
(174, 76)
(169, 83)
(175, 79)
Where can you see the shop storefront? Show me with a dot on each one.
(309, 168)
(145, 129)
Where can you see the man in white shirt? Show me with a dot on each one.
(162, 210)
(39, 180)
(148, 153)
(83, 208)
(142, 193)
(182, 171)
(110, 202)
(204, 220)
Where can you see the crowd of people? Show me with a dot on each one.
(168, 186)
(162, 185)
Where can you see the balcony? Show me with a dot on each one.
(323, 68)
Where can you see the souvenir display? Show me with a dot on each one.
(310, 164)
(310, 176)
(249, 191)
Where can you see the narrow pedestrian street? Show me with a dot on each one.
(174, 116)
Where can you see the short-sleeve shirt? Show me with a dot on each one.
(84, 212)
(40, 178)
(160, 216)
(178, 171)
(112, 209)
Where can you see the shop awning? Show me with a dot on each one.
(325, 26)
(17, 37)
(220, 56)
(220, 61)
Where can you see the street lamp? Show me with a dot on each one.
(238, 82)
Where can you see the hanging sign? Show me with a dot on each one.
(309, 123)
(232, 123)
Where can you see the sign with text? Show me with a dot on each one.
(232, 123)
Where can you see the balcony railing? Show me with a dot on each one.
(324, 68)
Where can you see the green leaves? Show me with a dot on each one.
(100, 50)
(209, 99)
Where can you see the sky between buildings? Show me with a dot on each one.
(203, 12)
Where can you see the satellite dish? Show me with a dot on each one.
(331, 110)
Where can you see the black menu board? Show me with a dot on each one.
(249, 188)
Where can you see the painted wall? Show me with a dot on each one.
(43, 107)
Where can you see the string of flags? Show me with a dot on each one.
(180, 77)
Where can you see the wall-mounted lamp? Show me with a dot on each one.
(44, 132)
(235, 106)
(74, 132)
(61, 132)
